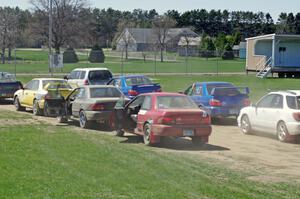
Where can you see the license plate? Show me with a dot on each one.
(233, 111)
(188, 132)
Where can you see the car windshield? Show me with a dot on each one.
(224, 89)
(293, 102)
(99, 75)
(7, 77)
(45, 82)
(175, 102)
(104, 92)
(138, 81)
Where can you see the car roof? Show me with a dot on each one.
(287, 92)
(163, 94)
(98, 86)
(90, 69)
(126, 76)
(48, 79)
(213, 83)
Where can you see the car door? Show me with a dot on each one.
(143, 114)
(197, 95)
(30, 93)
(77, 104)
(264, 114)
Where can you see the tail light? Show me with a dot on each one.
(214, 102)
(86, 82)
(47, 96)
(167, 120)
(97, 107)
(133, 93)
(296, 116)
(246, 102)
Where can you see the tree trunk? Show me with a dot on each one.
(126, 53)
(9, 54)
(162, 55)
(3, 56)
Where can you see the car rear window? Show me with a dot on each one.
(175, 102)
(228, 90)
(104, 92)
(138, 81)
(99, 75)
(293, 102)
(45, 82)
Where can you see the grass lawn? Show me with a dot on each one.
(258, 87)
(36, 62)
(43, 161)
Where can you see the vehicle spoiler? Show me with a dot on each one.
(217, 91)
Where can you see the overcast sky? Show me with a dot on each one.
(272, 6)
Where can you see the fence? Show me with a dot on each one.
(28, 61)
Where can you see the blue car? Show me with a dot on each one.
(219, 99)
(133, 85)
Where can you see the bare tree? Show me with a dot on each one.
(66, 20)
(8, 30)
(162, 26)
(124, 35)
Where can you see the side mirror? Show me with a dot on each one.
(181, 92)
(66, 77)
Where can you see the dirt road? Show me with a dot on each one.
(267, 158)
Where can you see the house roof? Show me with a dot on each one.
(193, 41)
(271, 36)
(148, 35)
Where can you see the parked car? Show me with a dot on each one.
(219, 99)
(8, 85)
(157, 115)
(277, 113)
(89, 76)
(35, 93)
(134, 85)
(91, 104)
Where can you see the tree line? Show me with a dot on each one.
(77, 25)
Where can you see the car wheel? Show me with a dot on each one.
(18, 105)
(282, 132)
(83, 122)
(35, 108)
(61, 119)
(120, 133)
(147, 135)
(198, 141)
(245, 125)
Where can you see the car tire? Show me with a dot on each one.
(282, 132)
(147, 135)
(198, 141)
(120, 133)
(18, 105)
(61, 119)
(83, 122)
(36, 109)
(246, 125)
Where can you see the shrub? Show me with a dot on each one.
(70, 56)
(96, 55)
(228, 55)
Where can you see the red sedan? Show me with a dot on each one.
(158, 115)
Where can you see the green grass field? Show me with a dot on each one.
(44, 161)
(36, 62)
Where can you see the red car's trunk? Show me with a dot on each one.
(184, 117)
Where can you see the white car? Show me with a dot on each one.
(276, 113)
(89, 76)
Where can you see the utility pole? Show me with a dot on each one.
(50, 38)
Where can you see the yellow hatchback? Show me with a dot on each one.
(34, 93)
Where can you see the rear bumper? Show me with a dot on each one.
(293, 128)
(98, 115)
(4, 95)
(223, 111)
(178, 131)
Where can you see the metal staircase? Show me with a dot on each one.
(266, 69)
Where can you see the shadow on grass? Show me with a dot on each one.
(178, 144)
